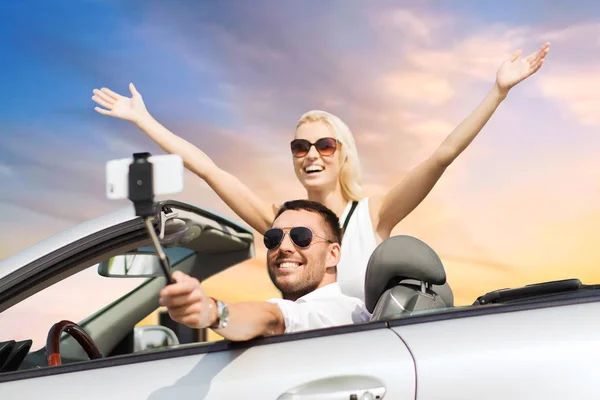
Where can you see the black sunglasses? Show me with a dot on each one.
(301, 236)
(325, 146)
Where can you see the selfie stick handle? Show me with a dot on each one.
(164, 261)
(141, 193)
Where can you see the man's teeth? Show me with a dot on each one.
(314, 168)
(289, 265)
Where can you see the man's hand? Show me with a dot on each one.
(187, 303)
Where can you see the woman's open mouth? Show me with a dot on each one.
(313, 169)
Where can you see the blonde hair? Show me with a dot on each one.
(350, 173)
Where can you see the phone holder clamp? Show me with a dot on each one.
(141, 193)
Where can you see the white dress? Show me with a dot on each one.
(357, 246)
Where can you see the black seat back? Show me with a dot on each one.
(404, 275)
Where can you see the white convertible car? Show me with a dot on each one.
(535, 342)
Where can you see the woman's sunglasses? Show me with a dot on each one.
(325, 146)
(300, 235)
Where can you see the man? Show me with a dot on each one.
(303, 252)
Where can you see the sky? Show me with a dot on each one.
(520, 205)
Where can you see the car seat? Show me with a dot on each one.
(405, 275)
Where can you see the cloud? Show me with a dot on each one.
(6, 171)
(574, 33)
(512, 216)
(570, 77)
(409, 21)
(476, 57)
(119, 145)
(57, 174)
(437, 44)
(398, 21)
(23, 227)
(411, 87)
(437, 129)
(570, 249)
(577, 90)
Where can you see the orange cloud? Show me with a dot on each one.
(395, 21)
(477, 56)
(407, 21)
(570, 250)
(411, 87)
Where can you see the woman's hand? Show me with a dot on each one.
(128, 108)
(514, 70)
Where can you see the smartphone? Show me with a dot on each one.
(167, 176)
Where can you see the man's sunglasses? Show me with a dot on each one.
(300, 235)
(325, 146)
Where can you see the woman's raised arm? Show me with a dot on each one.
(244, 202)
(389, 210)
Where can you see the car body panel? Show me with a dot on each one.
(535, 353)
(264, 371)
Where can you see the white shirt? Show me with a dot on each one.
(358, 244)
(321, 308)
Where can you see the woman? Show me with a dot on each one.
(326, 164)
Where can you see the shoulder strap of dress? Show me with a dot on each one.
(354, 204)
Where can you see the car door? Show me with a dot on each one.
(334, 363)
(542, 350)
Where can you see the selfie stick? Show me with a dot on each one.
(141, 193)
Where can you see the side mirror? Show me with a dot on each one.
(153, 337)
(134, 265)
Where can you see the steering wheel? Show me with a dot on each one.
(77, 332)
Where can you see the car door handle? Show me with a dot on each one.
(346, 387)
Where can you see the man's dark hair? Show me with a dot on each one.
(331, 220)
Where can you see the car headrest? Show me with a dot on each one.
(398, 258)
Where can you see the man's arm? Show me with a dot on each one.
(189, 306)
(248, 320)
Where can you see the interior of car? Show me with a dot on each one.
(195, 244)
